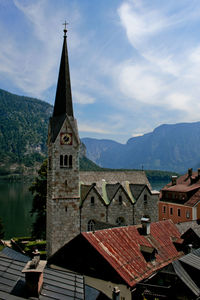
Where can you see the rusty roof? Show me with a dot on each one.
(184, 183)
(194, 199)
(121, 248)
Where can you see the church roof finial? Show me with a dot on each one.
(63, 101)
(65, 28)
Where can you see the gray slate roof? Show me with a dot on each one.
(56, 285)
(136, 189)
(107, 183)
(184, 226)
(10, 253)
(111, 190)
(184, 276)
(136, 177)
(191, 260)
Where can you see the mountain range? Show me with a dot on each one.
(169, 147)
(23, 133)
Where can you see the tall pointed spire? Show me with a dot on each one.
(63, 100)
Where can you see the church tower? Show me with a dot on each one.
(63, 197)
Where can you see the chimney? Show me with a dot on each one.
(190, 248)
(34, 276)
(174, 178)
(190, 172)
(198, 172)
(116, 293)
(145, 225)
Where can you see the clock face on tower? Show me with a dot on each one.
(65, 138)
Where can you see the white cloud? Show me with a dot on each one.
(140, 24)
(33, 67)
(137, 82)
(92, 128)
(137, 134)
(164, 74)
(82, 98)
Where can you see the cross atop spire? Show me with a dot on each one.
(63, 100)
(65, 28)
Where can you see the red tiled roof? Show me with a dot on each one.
(121, 248)
(183, 184)
(194, 199)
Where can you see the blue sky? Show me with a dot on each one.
(135, 64)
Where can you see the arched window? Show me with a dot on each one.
(91, 225)
(61, 161)
(92, 201)
(70, 161)
(120, 221)
(66, 160)
(120, 200)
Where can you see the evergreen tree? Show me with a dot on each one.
(1, 230)
(39, 191)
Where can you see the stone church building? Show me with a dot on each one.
(84, 201)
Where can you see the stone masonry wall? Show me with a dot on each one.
(125, 210)
(63, 216)
(91, 212)
(149, 208)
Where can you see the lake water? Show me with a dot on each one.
(15, 205)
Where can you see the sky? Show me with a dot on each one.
(134, 64)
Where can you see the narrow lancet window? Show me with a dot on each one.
(61, 161)
(66, 161)
(70, 161)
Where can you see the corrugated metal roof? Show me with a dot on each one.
(56, 284)
(121, 248)
(196, 252)
(191, 260)
(184, 276)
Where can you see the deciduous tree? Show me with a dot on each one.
(39, 191)
(2, 233)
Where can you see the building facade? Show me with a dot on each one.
(180, 199)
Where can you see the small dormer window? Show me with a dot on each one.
(92, 201)
(120, 200)
(148, 252)
(145, 199)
